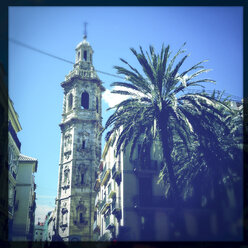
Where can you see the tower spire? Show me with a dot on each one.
(85, 30)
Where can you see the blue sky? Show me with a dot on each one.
(213, 33)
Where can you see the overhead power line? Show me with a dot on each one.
(56, 57)
(106, 73)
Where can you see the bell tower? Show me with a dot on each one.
(80, 149)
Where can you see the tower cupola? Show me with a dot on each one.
(84, 53)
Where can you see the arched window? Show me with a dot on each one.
(85, 55)
(85, 100)
(81, 219)
(97, 104)
(70, 99)
(83, 144)
(82, 178)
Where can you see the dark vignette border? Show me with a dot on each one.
(4, 64)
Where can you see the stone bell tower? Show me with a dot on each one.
(80, 150)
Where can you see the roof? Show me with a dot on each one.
(84, 42)
(29, 159)
(26, 158)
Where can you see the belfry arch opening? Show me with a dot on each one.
(97, 105)
(70, 100)
(85, 100)
(85, 55)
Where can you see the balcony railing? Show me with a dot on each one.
(111, 193)
(82, 73)
(97, 202)
(148, 166)
(116, 208)
(150, 202)
(10, 209)
(101, 204)
(109, 223)
(104, 205)
(14, 135)
(105, 175)
(97, 184)
(96, 227)
(116, 172)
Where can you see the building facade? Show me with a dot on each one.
(130, 205)
(45, 231)
(80, 148)
(14, 146)
(39, 232)
(4, 168)
(24, 216)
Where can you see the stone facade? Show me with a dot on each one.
(14, 146)
(80, 148)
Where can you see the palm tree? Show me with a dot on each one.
(157, 106)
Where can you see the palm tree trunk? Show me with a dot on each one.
(167, 147)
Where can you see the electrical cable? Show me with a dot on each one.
(56, 57)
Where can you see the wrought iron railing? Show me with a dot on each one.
(150, 201)
(145, 165)
(14, 135)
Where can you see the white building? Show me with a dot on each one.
(14, 146)
(39, 232)
(130, 205)
(23, 224)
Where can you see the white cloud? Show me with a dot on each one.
(41, 212)
(113, 99)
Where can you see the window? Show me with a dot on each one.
(82, 178)
(97, 104)
(85, 55)
(70, 99)
(145, 190)
(81, 218)
(78, 55)
(85, 100)
(91, 58)
(83, 144)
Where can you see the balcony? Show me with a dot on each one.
(14, 135)
(101, 166)
(96, 227)
(151, 202)
(111, 194)
(97, 202)
(105, 175)
(10, 209)
(145, 167)
(116, 172)
(109, 223)
(104, 205)
(97, 185)
(16, 205)
(116, 209)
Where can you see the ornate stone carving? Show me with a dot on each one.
(66, 181)
(68, 141)
(64, 217)
(79, 218)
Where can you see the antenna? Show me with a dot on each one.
(85, 30)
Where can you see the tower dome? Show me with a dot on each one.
(84, 53)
